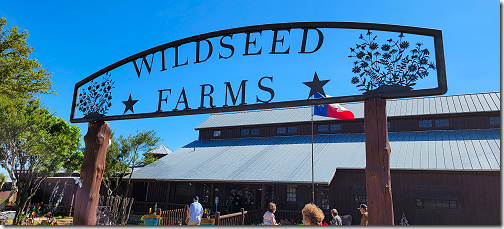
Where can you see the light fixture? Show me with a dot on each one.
(216, 189)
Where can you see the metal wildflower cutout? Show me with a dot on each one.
(95, 99)
(387, 66)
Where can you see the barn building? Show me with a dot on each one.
(445, 162)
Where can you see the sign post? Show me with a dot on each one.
(378, 185)
(93, 166)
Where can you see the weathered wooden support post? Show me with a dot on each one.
(242, 210)
(378, 185)
(93, 165)
(217, 218)
(186, 214)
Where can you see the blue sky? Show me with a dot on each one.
(76, 39)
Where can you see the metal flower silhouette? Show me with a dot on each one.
(390, 65)
(95, 99)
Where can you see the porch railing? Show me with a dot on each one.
(174, 216)
(231, 219)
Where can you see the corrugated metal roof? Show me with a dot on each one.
(162, 150)
(288, 158)
(395, 107)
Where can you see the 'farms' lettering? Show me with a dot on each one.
(208, 89)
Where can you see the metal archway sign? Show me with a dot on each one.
(387, 72)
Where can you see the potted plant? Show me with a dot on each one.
(151, 218)
(207, 221)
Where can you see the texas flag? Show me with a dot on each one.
(331, 110)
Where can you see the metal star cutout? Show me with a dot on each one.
(129, 104)
(316, 85)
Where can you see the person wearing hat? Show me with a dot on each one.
(363, 210)
(195, 212)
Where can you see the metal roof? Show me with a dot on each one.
(480, 102)
(287, 159)
(160, 150)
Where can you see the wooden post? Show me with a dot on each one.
(217, 218)
(71, 205)
(378, 185)
(186, 214)
(242, 210)
(93, 165)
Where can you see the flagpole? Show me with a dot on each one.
(312, 174)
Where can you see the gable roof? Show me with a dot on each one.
(160, 150)
(479, 102)
(287, 159)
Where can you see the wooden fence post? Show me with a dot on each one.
(378, 185)
(93, 165)
(243, 216)
(217, 218)
(186, 214)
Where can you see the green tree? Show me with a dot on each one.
(74, 162)
(21, 75)
(34, 144)
(133, 147)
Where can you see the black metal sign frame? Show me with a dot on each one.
(439, 56)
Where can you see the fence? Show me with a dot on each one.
(174, 217)
(231, 219)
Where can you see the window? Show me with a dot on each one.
(281, 130)
(494, 120)
(292, 129)
(441, 122)
(435, 198)
(334, 127)
(325, 197)
(388, 125)
(291, 193)
(245, 131)
(360, 199)
(359, 195)
(436, 204)
(254, 131)
(425, 123)
(216, 133)
(323, 127)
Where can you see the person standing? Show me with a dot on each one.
(336, 220)
(312, 215)
(195, 212)
(269, 216)
(363, 210)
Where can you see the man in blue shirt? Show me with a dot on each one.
(195, 212)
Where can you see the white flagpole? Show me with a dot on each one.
(312, 174)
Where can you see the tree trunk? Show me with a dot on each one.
(93, 166)
(378, 185)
